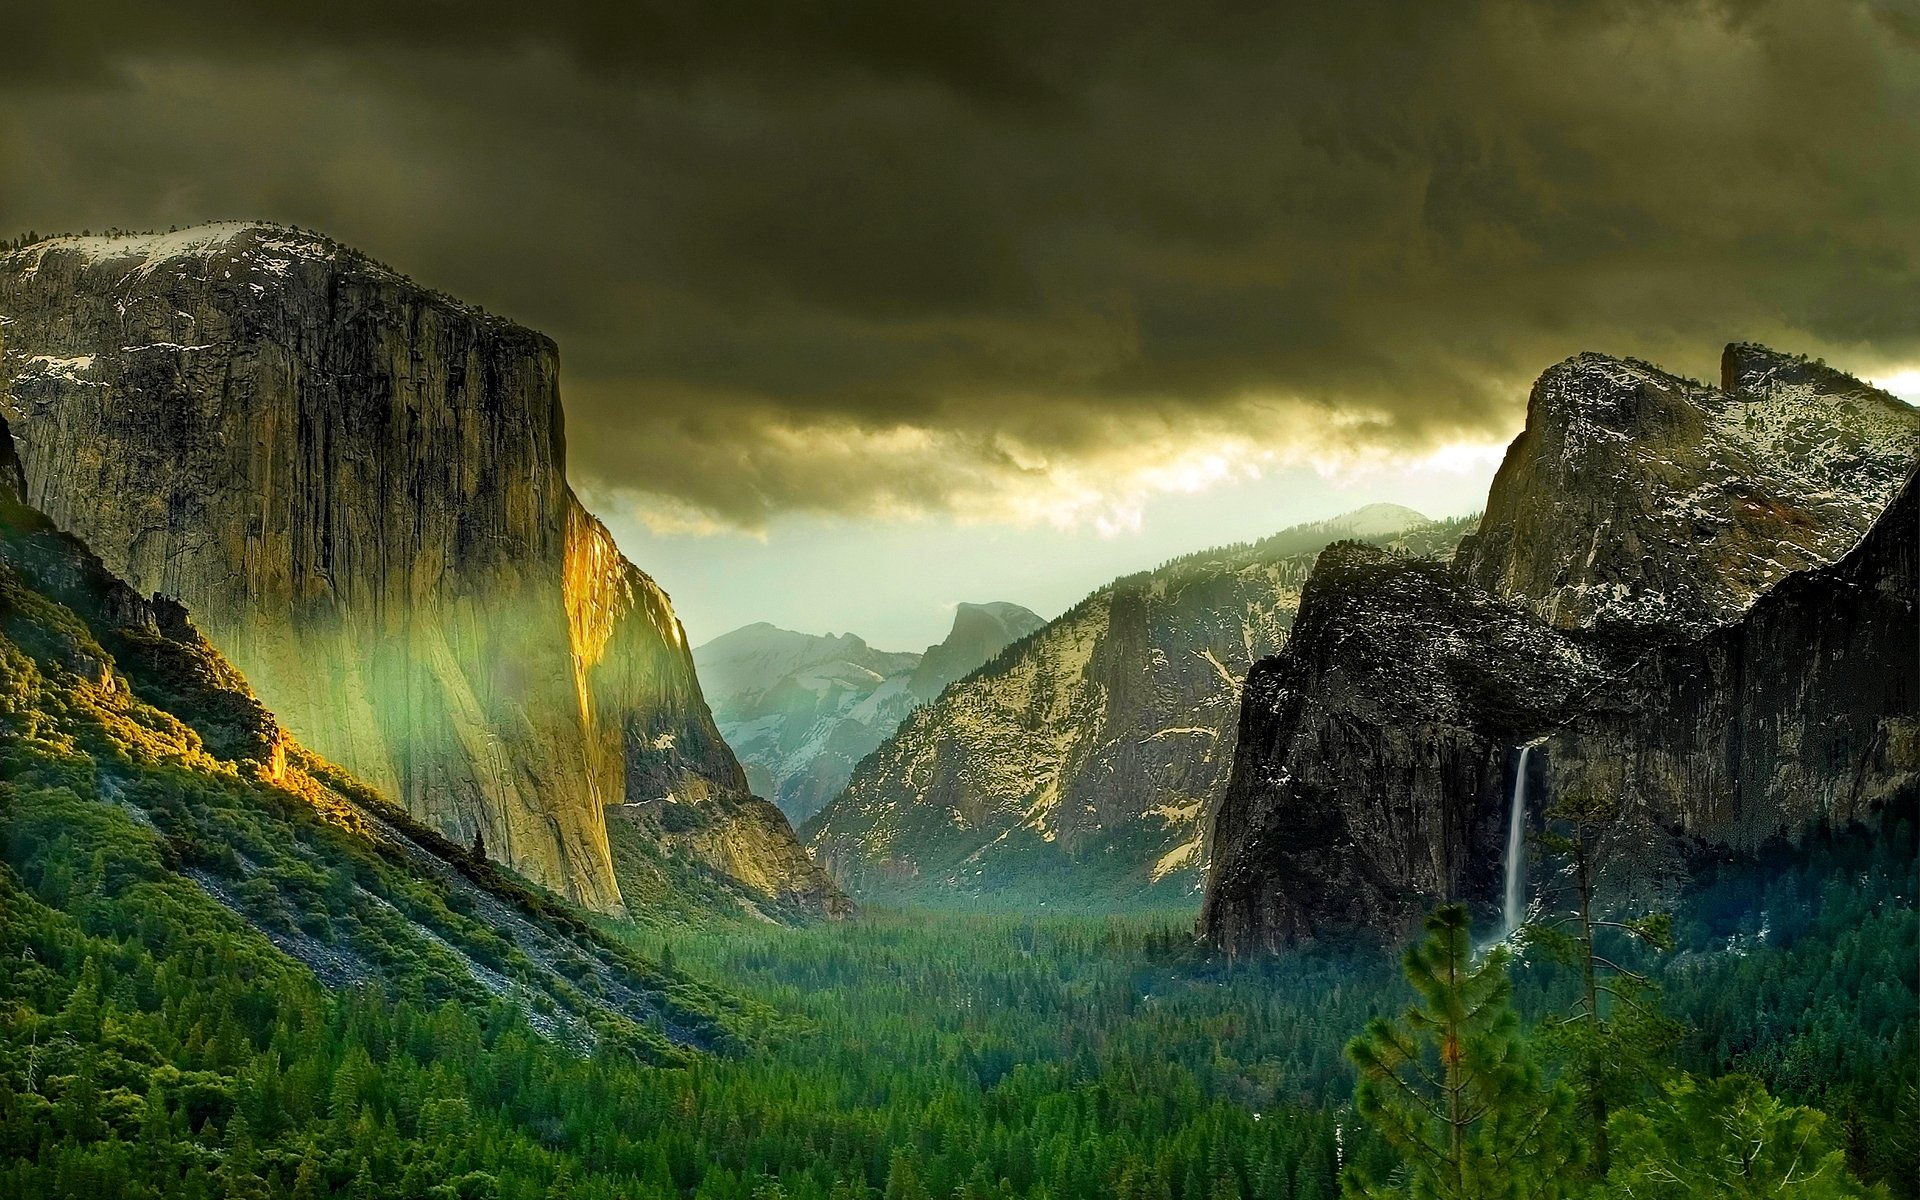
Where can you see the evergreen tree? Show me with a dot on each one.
(1450, 1086)
(1727, 1139)
(1616, 1040)
(903, 1177)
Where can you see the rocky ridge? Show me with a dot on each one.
(1650, 602)
(359, 487)
(1081, 763)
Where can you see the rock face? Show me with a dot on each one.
(1651, 601)
(1374, 750)
(1637, 498)
(121, 722)
(1807, 709)
(1082, 762)
(802, 709)
(359, 486)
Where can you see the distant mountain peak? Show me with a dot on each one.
(979, 632)
(1086, 757)
(800, 709)
(1379, 519)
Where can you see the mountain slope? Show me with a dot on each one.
(802, 709)
(1648, 606)
(359, 488)
(140, 773)
(1084, 759)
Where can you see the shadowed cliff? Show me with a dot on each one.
(1674, 592)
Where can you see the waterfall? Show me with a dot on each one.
(1516, 846)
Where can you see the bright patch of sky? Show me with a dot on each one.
(1904, 383)
(895, 582)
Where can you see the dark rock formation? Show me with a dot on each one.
(359, 487)
(1649, 599)
(1375, 750)
(1807, 709)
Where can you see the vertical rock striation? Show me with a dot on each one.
(1652, 599)
(1806, 709)
(359, 487)
(1374, 756)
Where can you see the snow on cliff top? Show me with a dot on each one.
(272, 247)
(259, 256)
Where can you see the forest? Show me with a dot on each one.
(1755, 1039)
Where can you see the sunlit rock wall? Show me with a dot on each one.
(358, 486)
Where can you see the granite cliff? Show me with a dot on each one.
(359, 487)
(1673, 596)
(122, 726)
(801, 710)
(1638, 498)
(1080, 764)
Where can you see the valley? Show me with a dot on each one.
(1081, 766)
(912, 1054)
(369, 828)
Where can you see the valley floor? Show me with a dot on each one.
(904, 1055)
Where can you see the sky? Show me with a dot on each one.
(866, 307)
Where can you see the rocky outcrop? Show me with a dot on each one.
(359, 487)
(1637, 498)
(1375, 751)
(1650, 601)
(801, 710)
(1080, 765)
(1805, 710)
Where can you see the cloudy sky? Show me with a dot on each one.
(866, 307)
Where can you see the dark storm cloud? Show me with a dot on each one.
(1011, 259)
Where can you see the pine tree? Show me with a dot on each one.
(1727, 1139)
(1616, 1040)
(1450, 1086)
(307, 1184)
(903, 1178)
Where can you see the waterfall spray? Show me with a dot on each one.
(1516, 846)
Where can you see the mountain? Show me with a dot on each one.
(979, 632)
(1082, 761)
(802, 709)
(1635, 498)
(359, 488)
(1699, 601)
(155, 814)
